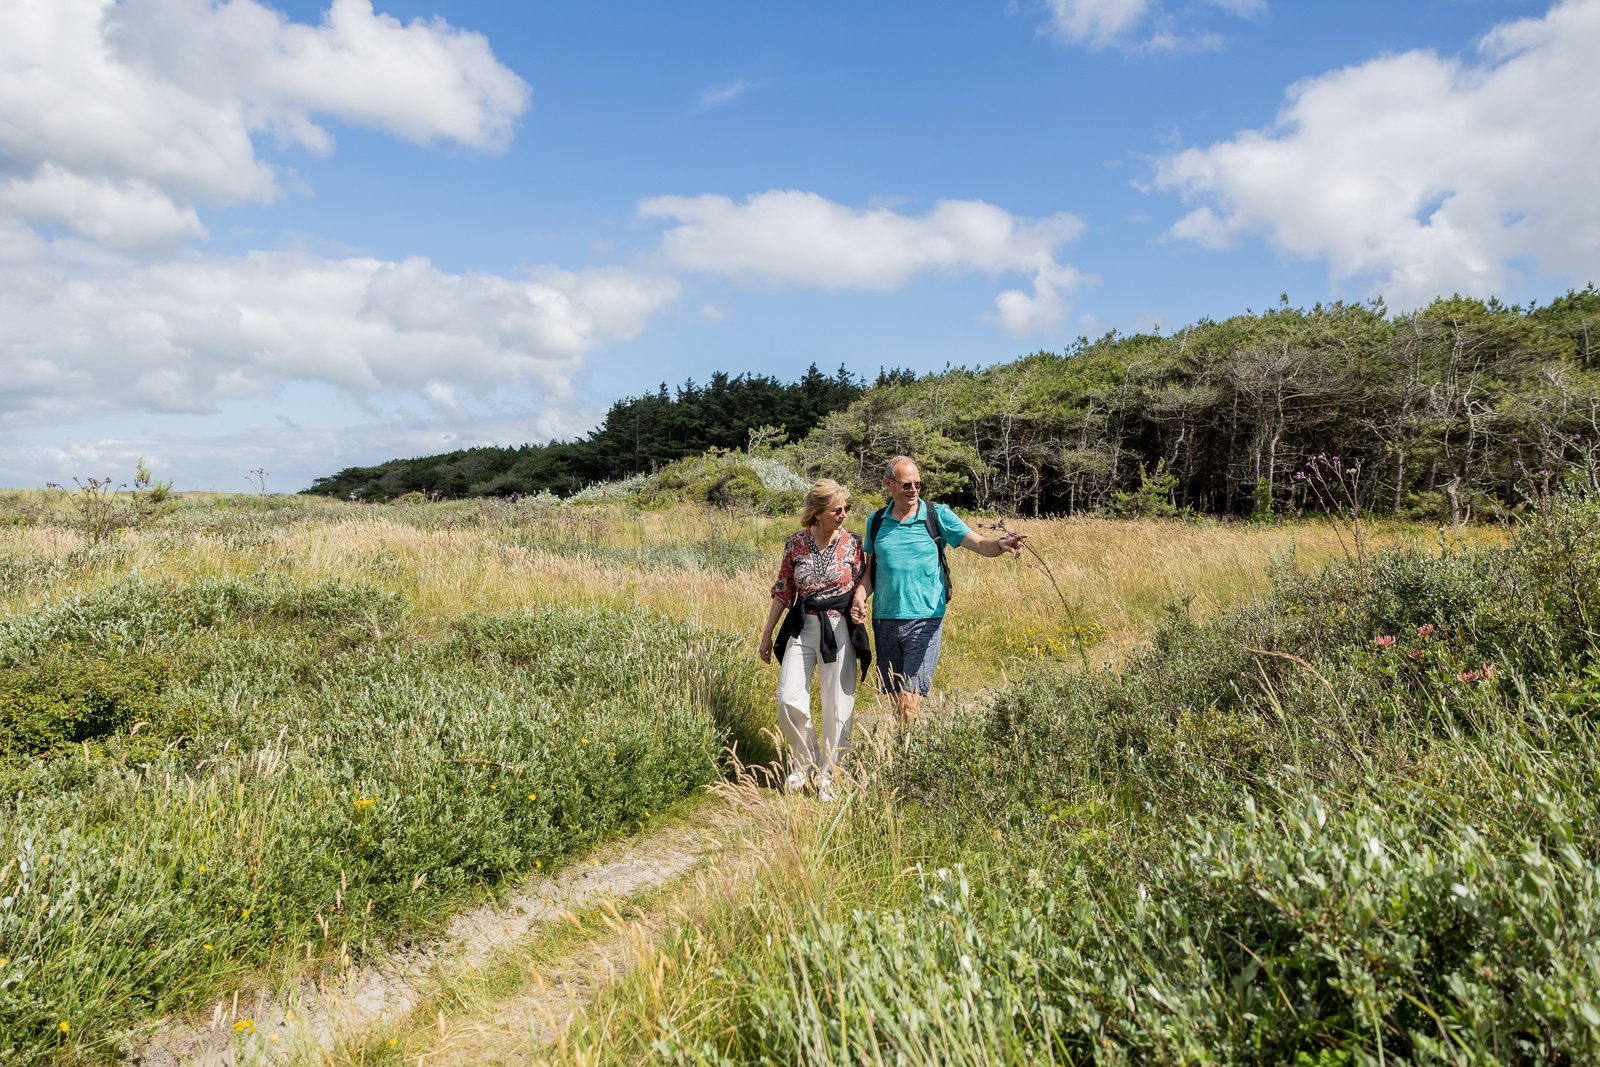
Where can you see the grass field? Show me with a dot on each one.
(256, 735)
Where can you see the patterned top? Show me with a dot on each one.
(808, 570)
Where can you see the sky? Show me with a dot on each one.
(293, 237)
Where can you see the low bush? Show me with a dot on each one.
(64, 700)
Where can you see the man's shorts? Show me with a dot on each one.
(907, 651)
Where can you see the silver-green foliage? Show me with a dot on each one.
(331, 776)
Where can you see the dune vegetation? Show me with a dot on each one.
(1193, 791)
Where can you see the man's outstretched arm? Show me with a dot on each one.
(994, 546)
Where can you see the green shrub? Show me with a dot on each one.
(65, 699)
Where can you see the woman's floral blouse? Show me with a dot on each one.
(807, 571)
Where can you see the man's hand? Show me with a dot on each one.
(1012, 543)
(858, 607)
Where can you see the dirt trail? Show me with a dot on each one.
(312, 1022)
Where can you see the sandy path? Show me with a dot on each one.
(310, 1021)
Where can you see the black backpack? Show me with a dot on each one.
(932, 520)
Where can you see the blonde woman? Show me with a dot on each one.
(821, 565)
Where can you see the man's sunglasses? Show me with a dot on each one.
(908, 486)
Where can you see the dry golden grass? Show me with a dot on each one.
(1112, 578)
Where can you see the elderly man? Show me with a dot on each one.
(905, 566)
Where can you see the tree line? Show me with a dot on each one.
(1455, 410)
(1461, 406)
(638, 435)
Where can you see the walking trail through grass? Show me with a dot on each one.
(506, 978)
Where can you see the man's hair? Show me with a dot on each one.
(889, 468)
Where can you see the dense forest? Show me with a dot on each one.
(1457, 409)
(638, 435)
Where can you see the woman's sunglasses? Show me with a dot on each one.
(842, 509)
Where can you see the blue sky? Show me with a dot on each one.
(300, 237)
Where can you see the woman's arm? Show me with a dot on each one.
(863, 589)
(764, 650)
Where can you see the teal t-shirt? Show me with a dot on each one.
(906, 582)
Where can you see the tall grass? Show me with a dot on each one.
(320, 775)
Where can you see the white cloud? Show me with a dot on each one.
(113, 112)
(91, 332)
(793, 238)
(1023, 314)
(1096, 23)
(724, 94)
(1139, 25)
(129, 213)
(1417, 174)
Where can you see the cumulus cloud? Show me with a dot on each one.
(119, 119)
(1139, 25)
(793, 238)
(89, 331)
(1418, 174)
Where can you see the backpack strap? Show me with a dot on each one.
(874, 524)
(932, 520)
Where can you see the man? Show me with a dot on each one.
(903, 568)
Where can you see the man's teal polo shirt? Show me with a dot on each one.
(906, 582)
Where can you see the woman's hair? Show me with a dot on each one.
(823, 494)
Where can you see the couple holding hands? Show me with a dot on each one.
(824, 581)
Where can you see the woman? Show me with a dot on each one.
(820, 569)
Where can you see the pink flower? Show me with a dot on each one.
(1469, 676)
(1415, 653)
(1487, 672)
(1425, 629)
(1383, 642)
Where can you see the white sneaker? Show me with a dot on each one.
(827, 792)
(795, 783)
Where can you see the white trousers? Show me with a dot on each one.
(817, 748)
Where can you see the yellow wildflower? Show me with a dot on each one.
(207, 946)
(245, 1026)
(533, 796)
(64, 1026)
(583, 740)
(202, 868)
(244, 913)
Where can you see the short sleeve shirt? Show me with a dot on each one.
(810, 571)
(906, 582)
